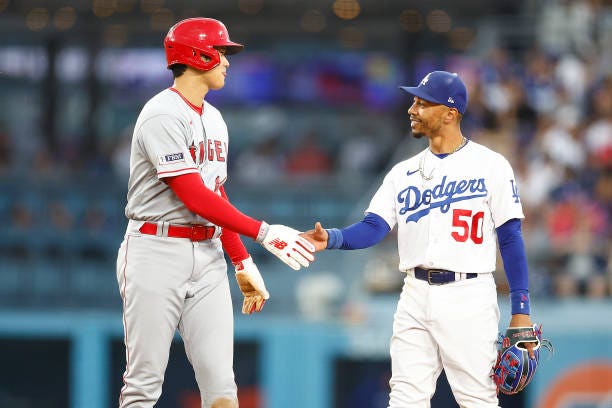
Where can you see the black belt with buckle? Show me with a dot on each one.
(438, 276)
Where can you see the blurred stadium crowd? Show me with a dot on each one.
(545, 103)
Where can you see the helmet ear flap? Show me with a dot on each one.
(205, 57)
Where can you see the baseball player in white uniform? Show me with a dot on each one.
(171, 269)
(452, 203)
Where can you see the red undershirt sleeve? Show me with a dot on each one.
(232, 244)
(190, 189)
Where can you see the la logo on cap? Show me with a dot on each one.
(441, 87)
(424, 80)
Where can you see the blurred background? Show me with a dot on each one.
(315, 120)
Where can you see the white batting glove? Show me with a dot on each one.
(287, 245)
(251, 285)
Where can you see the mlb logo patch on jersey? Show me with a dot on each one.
(171, 158)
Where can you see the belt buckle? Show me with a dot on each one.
(197, 233)
(429, 273)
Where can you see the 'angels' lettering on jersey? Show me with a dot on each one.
(440, 196)
(197, 152)
(216, 151)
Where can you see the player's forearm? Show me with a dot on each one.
(190, 189)
(232, 244)
(364, 234)
(512, 249)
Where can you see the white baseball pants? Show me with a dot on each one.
(452, 326)
(168, 284)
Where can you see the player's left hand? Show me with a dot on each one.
(516, 363)
(523, 320)
(251, 285)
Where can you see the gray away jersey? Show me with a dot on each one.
(172, 138)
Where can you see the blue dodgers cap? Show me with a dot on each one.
(441, 87)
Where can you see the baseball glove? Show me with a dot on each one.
(514, 369)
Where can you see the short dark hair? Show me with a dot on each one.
(178, 69)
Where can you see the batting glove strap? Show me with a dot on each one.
(263, 231)
(245, 264)
(287, 245)
(249, 270)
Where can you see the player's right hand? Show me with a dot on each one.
(287, 245)
(317, 237)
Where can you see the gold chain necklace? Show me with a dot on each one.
(422, 161)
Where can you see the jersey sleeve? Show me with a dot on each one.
(163, 140)
(505, 202)
(383, 202)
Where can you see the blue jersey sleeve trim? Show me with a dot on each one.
(512, 249)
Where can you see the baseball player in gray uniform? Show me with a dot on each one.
(453, 203)
(171, 268)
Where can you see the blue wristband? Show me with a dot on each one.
(519, 301)
(334, 238)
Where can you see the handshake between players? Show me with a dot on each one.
(286, 244)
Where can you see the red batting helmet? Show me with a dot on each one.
(188, 40)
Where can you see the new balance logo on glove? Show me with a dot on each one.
(278, 243)
(286, 244)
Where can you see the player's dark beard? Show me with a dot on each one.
(416, 135)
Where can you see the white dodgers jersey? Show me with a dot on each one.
(171, 137)
(447, 208)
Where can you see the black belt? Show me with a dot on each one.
(438, 276)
